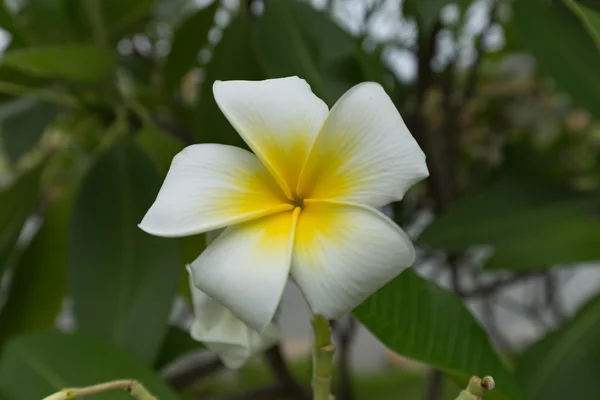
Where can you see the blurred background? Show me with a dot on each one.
(97, 96)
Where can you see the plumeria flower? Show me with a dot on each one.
(304, 204)
(225, 334)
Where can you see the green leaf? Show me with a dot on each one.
(589, 17)
(35, 366)
(125, 17)
(564, 364)
(122, 279)
(188, 39)
(160, 146)
(17, 202)
(420, 320)
(531, 224)
(591, 4)
(22, 123)
(40, 278)
(566, 52)
(177, 343)
(50, 21)
(292, 38)
(232, 58)
(78, 62)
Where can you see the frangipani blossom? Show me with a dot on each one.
(222, 332)
(304, 204)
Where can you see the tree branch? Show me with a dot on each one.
(345, 335)
(195, 373)
(284, 376)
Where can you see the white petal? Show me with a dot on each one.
(226, 335)
(343, 253)
(247, 266)
(364, 153)
(210, 186)
(278, 119)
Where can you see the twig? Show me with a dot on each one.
(345, 336)
(553, 297)
(134, 388)
(172, 127)
(284, 376)
(46, 95)
(495, 286)
(435, 384)
(195, 373)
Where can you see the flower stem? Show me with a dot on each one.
(135, 389)
(477, 388)
(323, 351)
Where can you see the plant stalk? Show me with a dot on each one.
(134, 388)
(323, 351)
(477, 388)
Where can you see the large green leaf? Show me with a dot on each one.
(566, 51)
(189, 38)
(160, 146)
(37, 365)
(292, 38)
(50, 21)
(233, 58)
(79, 62)
(530, 224)
(40, 278)
(17, 202)
(591, 4)
(122, 279)
(565, 363)
(22, 123)
(589, 16)
(420, 320)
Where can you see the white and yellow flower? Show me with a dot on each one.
(303, 204)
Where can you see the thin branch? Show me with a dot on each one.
(499, 284)
(134, 388)
(345, 335)
(175, 129)
(553, 297)
(46, 95)
(283, 375)
(194, 373)
(435, 385)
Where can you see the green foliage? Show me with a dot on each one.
(98, 74)
(70, 61)
(17, 202)
(590, 17)
(291, 38)
(39, 282)
(22, 123)
(232, 59)
(159, 146)
(422, 321)
(183, 55)
(177, 343)
(110, 258)
(35, 366)
(564, 364)
(531, 224)
(566, 52)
